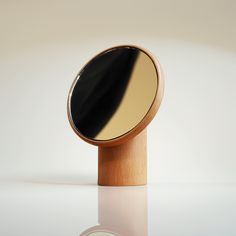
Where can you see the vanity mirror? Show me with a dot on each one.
(112, 100)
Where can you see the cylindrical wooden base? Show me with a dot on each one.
(124, 164)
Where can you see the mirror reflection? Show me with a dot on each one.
(101, 234)
(121, 211)
(113, 93)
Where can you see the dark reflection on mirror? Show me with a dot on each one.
(121, 211)
(100, 89)
(113, 93)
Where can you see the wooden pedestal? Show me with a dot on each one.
(124, 164)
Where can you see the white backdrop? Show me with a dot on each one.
(43, 46)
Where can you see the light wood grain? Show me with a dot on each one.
(124, 164)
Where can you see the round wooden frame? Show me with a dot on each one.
(146, 119)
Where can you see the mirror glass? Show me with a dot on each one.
(113, 93)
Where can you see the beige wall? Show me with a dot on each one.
(43, 45)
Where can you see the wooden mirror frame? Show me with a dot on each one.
(123, 160)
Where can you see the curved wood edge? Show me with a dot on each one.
(144, 122)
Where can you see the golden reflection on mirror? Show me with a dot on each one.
(113, 93)
(136, 102)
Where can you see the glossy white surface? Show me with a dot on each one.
(37, 209)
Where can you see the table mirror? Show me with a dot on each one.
(111, 101)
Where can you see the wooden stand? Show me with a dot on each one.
(124, 164)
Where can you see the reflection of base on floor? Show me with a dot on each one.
(121, 211)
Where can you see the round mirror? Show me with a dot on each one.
(113, 94)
